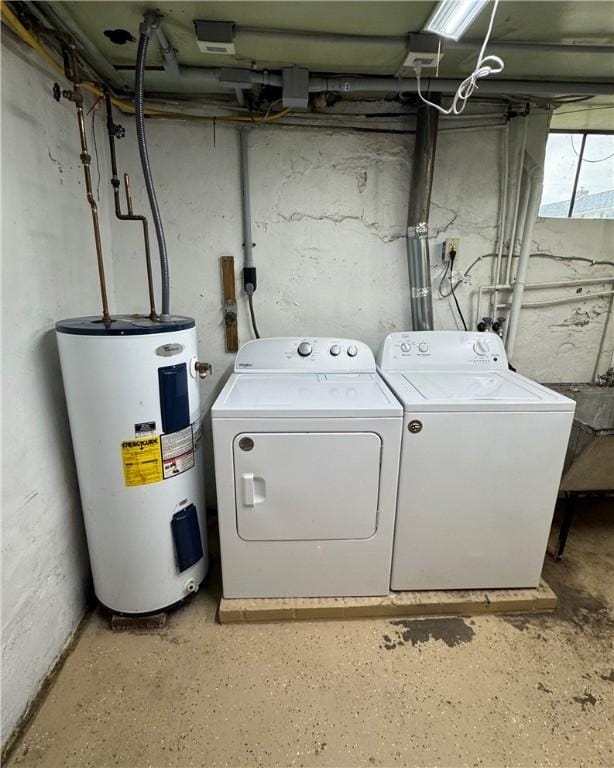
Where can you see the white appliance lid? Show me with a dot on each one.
(468, 386)
(482, 390)
(296, 395)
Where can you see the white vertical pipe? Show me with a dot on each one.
(604, 336)
(512, 241)
(502, 218)
(536, 181)
(520, 224)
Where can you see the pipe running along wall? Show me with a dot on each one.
(418, 259)
(77, 97)
(150, 21)
(249, 268)
(114, 131)
(536, 182)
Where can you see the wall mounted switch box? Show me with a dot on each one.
(215, 36)
(295, 82)
(423, 51)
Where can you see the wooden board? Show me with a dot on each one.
(400, 604)
(227, 264)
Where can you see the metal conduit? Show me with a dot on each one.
(446, 85)
(171, 65)
(150, 21)
(418, 259)
(234, 77)
(246, 211)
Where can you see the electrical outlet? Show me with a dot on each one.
(451, 244)
(424, 51)
(421, 59)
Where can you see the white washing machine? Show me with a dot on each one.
(307, 440)
(481, 460)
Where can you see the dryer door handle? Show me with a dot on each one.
(253, 489)
(248, 490)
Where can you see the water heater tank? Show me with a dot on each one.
(133, 403)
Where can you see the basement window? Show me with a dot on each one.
(579, 176)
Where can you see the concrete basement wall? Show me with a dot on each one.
(48, 273)
(329, 215)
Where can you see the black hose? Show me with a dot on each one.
(149, 183)
(460, 311)
(252, 314)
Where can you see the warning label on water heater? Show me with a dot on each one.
(142, 461)
(177, 452)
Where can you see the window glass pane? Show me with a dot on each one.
(559, 173)
(595, 193)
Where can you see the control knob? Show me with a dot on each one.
(335, 350)
(352, 350)
(480, 347)
(423, 346)
(405, 346)
(304, 349)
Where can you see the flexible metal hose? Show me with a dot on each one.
(149, 183)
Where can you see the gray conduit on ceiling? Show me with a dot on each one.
(201, 76)
(198, 77)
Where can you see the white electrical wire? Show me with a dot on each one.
(485, 66)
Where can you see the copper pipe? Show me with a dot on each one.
(128, 195)
(86, 159)
(130, 216)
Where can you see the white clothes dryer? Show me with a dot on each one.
(307, 440)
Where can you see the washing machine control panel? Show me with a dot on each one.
(442, 350)
(305, 354)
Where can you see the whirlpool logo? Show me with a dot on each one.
(168, 350)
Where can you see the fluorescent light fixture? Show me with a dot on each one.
(452, 17)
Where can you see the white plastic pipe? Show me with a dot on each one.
(536, 183)
(522, 220)
(604, 336)
(502, 212)
(565, 299)
(538, 286)
(514, 223)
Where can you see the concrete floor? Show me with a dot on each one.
(489, 691)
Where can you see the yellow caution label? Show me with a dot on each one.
(142, 461)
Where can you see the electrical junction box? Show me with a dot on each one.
(424, 51)
(295, 88)
(215, 36)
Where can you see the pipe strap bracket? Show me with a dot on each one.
(420, 293)
(419, 230)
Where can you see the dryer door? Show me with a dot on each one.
(293, 486)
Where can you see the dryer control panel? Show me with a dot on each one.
(302, 354)
(442, 351)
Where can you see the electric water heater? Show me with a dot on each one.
(132, 393)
